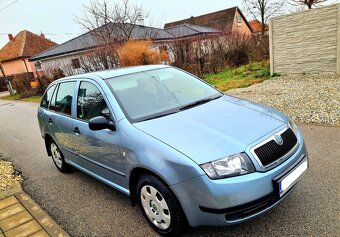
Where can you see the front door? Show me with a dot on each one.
(98, 150)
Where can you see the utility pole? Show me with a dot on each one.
(8, 83)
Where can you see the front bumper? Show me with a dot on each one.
(234, 200)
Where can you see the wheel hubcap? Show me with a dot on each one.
(56, 155)
(155, 207)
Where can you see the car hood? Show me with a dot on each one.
(214, 130)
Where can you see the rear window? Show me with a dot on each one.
(63, 102)
(47, 97)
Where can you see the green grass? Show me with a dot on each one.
(17, 96)
(240, 77)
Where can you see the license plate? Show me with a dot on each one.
(292, 177)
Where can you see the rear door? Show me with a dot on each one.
(98, 150)
(59, 117)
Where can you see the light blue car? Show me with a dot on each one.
(182, 150)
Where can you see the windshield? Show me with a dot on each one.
(156, 93)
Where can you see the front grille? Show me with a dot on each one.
(271, 151)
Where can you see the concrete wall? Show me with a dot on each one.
(306, 42)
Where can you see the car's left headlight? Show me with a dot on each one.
(235, 165)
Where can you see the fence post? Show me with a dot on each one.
(338, 44)
(271, 46)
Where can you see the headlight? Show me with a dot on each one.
(235, 165)
(292, 125)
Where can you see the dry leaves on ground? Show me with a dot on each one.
(8, 176)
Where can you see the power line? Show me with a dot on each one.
(8, 5)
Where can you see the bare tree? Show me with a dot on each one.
(308, 3)
(105, 17)
(261, 10)
(109, 25)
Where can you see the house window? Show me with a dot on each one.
(37, 65)
(75, 63)
(239, 21)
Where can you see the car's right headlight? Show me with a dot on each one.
(230, 166)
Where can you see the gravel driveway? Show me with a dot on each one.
(305, 98)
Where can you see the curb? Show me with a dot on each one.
(21, 216)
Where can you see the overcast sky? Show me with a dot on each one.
(56, 18)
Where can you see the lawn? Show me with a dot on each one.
(17, 96)
(240, 77)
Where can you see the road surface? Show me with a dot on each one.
(84, 206)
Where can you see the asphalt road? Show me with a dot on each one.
(84, 206)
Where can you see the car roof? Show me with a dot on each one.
(115, 72)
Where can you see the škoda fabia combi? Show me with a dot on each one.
(182, 150)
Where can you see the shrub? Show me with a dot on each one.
(21, 82)
(138, 53)
(44, 82)
(211, 54)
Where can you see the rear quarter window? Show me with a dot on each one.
(47, 97)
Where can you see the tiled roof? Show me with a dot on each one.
(190, 30)
(220, 20)
(90, 40)
(24, 45)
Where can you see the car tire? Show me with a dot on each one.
(58, 158)
(159, 206)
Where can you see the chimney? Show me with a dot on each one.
(42, 35)
(10, 37)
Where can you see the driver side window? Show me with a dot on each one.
(90, 102)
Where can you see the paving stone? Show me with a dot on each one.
(52, 227)
(41, 233)
(8, 202)
(10, 211)
(24, 230)
(14, 221)
(34, 209)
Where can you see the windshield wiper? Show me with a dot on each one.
(159, 115)
(199, 102)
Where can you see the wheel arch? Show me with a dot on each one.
(48, 138)
(135, 175)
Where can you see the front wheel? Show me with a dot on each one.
(160, 206)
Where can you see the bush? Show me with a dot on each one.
(212, 54)
(139, 53)
(44, 82)
(21, 83)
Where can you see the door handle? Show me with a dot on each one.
(50, 121)
(76, 131)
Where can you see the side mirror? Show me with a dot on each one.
(100, 123)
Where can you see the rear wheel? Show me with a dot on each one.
(58, 158)
(160, 206)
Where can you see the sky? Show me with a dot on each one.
(57, 18)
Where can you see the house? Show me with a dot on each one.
(15, 54)
(257, 27)
(69, 56)
(229, 20)
(187, 30)
(81, 54)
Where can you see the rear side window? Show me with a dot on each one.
(90, 102)
(63, 102)
(47, 97)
